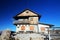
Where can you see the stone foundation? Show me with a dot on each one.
(29, 37)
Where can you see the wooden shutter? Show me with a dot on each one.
(22, 27)
(42, 29)
(31, 27)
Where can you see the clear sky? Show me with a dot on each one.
(49, 9)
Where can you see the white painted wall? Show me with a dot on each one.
(36, 28)
(41, 25)
(27, 28)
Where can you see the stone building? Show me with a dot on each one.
(28, 26)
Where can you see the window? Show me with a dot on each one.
(17, 27)
(31, 27)
(22, 27)
(31, 19)
(42, 29)
(27, 12)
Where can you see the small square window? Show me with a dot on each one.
(31, 19)
(27, 12)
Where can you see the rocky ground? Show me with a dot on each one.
(7, 35)
(11, 35)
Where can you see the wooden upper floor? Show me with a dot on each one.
(27, 16)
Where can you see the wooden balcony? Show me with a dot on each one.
(21, 22)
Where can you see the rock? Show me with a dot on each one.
(5, 35)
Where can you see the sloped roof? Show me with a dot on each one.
(26, 13)
(47, 24)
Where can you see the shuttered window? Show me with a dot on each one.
(31, 27)
(22, 27)
(42, 29)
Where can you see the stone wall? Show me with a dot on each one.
(29, 37)
(37, 38)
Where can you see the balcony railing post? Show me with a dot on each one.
(49, 34)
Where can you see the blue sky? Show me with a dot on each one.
(49, 9)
